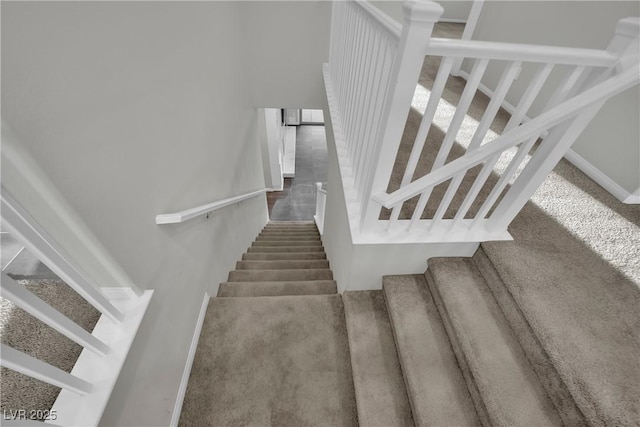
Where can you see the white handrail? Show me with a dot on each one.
(520, 52)
(383, 19)
(187, 214)
(546, 120)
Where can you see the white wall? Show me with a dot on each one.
(610, 143)
(454, 10)
(270, 134)
(133, 109)
(286, 44)
(361, 266)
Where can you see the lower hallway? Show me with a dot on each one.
(297, 201)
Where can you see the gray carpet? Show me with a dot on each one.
(273, 348)
(379, 385)
(23, 332)
(572, 273)
(434, 382)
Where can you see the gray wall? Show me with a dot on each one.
(286, 44)
(132, 109)
(610, 143)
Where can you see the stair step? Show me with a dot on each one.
(279, 275)
(288, 223)
(381, 397)
(266, 256)
(503, 382)
(291, 228)
(549, 377)
(285, 249)
(582, 309)
(272, 361)
(282, 265)
(435, 385)
(289, 233)
(287, 238)
(256, 289)
(288, 243)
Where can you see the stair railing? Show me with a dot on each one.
(85, 391)
(371, 79)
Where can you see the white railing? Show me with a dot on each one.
(187, 214)
(369, 106)
(86, 390)
(321, 203)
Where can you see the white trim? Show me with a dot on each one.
(453, 20)
(172, 218)
(187, 367)
(634, 198)
(603, 180)
(102, 371)
(14, 257)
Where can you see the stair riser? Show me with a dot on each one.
(287, 238)
(486, 347)
(285, 249)
(292, 227)
(282, 265)
(278, 275)
(282, 256)
(288, 233)
(251, 289)
(288, 243)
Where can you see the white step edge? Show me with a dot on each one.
(102, 371)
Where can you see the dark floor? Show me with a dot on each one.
(297, 202)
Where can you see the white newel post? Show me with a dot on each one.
(419, 18)
(625, 44)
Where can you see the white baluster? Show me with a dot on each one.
(461, 110)
(39, 309)
(32, 367)
(529, 96)
(419, 19)
(475, 189)
(500, 93)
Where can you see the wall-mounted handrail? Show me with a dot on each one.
(187, 214)
(519, 52)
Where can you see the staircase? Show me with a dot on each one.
(273, 348)
(487, 340)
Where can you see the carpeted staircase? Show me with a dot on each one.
(474, 341)
(273, 348)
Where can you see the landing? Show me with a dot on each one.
(272, 361)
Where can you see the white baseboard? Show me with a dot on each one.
(603, 180)
(578, 161)
(453, 20)
(187, 367)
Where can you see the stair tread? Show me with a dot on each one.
(435, 385)
(381, 397)
(583, 311)
(282, 264)
(290, 238)
(249, 289)
(287, 243)
(279, 275)
(507, 384)
(256, 256)
(280, 360)
(285, 249)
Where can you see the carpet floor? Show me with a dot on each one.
(24, 332)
